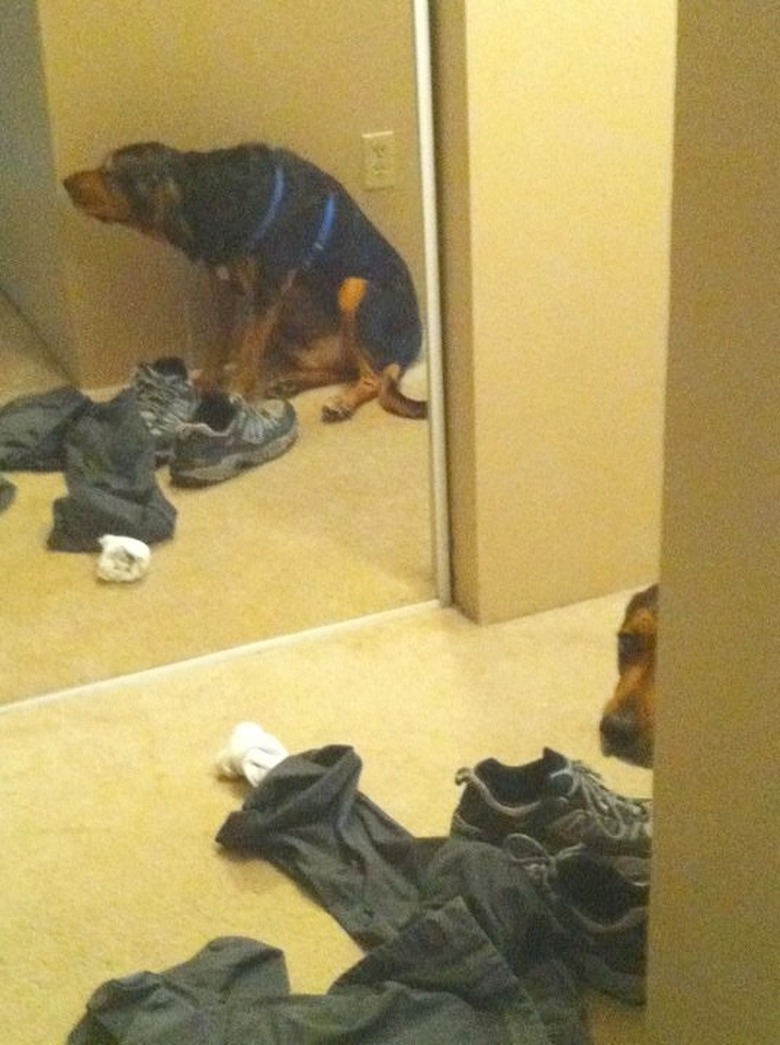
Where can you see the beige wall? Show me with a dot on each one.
(185, 74)
(715, 926)
(554, 138)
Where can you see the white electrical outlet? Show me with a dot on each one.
(379, 160)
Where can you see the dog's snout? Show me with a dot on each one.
(619, 730)
(79, 186)
(623, 735)
(93, 192)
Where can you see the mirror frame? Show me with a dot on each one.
(440, 525)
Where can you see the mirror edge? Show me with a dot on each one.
(440, 513)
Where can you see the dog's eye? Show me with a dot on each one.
(630, 646)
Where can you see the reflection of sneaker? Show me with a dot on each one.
(226, 435)
(602, 912)
(166, 399)
(557, 802)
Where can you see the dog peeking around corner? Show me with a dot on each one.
(627, 723)
(310, 293)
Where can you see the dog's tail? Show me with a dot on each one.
(392, 399)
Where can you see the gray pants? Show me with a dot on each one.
(460, 948)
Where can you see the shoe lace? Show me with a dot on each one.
(530, 855)
(159, 400)
(153, 392)
(620, 817)
(533, 858)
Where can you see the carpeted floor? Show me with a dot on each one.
(336, 528)
(111, 803)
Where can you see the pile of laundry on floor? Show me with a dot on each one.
(486, 936)
(109, 451)
(107, 454)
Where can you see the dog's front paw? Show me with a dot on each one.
(336, 410)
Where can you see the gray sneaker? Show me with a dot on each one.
(166, 399)
(602, 912)
(227, 435)
(558, 802)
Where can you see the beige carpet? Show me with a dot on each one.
(110, 803)
(337, 528)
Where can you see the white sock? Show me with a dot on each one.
(250, 752)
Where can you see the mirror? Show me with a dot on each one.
(346, 522)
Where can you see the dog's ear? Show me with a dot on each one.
(150, 175)
(163, 200)
(157, 204)
(146, 174)
(643, 600)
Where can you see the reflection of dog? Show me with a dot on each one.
(292, 249)
(627, 724)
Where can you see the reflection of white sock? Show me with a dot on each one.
(250, 752)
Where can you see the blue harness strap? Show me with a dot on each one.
(323, 234)
(273, 209)
(271, 214)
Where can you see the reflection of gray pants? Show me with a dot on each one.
(462, 950)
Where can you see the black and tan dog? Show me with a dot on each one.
(628, 720)
(322, 297)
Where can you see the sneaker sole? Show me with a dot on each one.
(627, 987)
(231, 465)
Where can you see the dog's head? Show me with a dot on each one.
(627, 723)
(136, 186)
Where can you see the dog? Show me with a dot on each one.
(322, 297)
(627, 722)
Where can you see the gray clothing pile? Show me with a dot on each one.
(107, 455)
(460, 948)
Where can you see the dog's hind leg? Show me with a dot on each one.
(353, 395)
(367, 383)
(389, 323)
